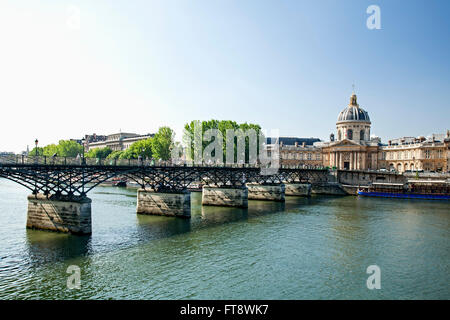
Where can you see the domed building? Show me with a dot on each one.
(353, 148)
(353, 122)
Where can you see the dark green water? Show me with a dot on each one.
(317, 248)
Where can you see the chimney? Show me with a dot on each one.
(296, 144)
(304, 144)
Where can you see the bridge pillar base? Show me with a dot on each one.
(330, 188)
(225, 196)
(298, 189)
(270, 192)
(61, 215)
(173, 204)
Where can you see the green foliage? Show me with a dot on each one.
(162, 143)
(128, 154)
(142, 148)
(114, 155)
(222, 126)
(101, 153)
(68, 148)
(65, 148)
(50, 150)
(39, 151)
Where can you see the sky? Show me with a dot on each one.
(70, 68)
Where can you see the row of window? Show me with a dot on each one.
(404, 155)
(301, 156)
(350, 134)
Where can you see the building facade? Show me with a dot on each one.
(411, 154)
(353, 148)
(118, 141)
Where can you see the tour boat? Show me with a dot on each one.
(430, 190)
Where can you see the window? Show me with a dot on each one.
(427, 154)
(339, 135)
(309, 156)
(361, 135)
(317, 156)
(350, 134)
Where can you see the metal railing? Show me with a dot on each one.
(61, 161)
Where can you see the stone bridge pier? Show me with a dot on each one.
(62, 214)
(225, 196)
(298, 189)
(270, 192)
(164, 203)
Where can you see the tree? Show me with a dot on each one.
(142, 148)
(50, 150)
(222, 126)
(65, 148)
(162, 143)
(101, 153)
(38, 150)
(69, 148)
(114, 155)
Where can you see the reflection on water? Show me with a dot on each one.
(157, 227)
(304, 248)
(46, 247)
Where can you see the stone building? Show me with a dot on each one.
(298, 151)
(353, 148)
(118, 141)
(411, 154)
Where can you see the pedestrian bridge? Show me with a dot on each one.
(59, 186)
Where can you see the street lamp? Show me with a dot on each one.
(83, 142)
(36, 143)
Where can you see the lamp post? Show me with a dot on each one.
(36, 143)
(83, 142)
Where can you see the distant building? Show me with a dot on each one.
(353, 148)
(118, 141)
(410, 154)
(91, 138)
(297, 151)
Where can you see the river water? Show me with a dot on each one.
(305, 248)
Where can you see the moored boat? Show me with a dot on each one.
(430, 190)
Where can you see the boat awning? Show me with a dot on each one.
(387, 184)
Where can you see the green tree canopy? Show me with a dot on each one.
(69, 148)
(65, 148)
(162, 143)
(222, 126)
(101, 153)
(114, 154)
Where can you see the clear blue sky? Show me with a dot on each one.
(287, 65)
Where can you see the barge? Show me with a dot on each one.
(429, 190)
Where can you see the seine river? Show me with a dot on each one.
(316, 248)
